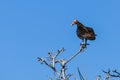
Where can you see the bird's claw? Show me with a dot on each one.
(84, 45)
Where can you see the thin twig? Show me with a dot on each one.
(109, 74)
(115, 71)
(81, 49)
(44, 62)
(80, 75)
(98, 77)
(59, 51)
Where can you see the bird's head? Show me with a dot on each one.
(74, 22)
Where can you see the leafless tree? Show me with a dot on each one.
(60, 72)
(51, 61)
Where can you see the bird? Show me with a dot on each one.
(83, 32)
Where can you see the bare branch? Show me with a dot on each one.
(81, 49)
(98, 77)
(52, 61)
(115, 71)
(110, 74)
(59, 51)
(44, 62)
(80, 75)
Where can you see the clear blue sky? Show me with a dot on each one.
(31, 28)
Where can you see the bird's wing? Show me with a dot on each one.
(89, 29)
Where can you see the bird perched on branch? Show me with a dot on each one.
(83, 32)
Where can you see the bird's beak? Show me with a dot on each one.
(72, 24)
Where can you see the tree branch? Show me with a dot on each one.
(81, 49)
(52, 62)
(110, 74)
(80, 75)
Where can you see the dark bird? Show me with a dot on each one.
(83, 32)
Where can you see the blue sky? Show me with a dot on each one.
(31, 28)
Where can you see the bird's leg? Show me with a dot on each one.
(86, 42)
(82, 42)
